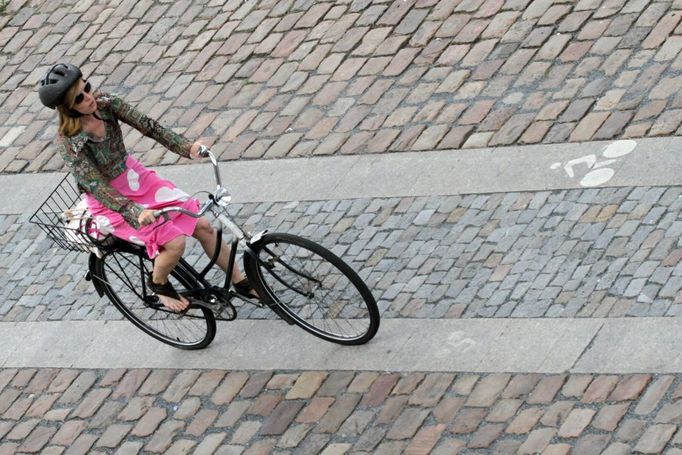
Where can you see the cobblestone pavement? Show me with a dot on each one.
(258, 412)
(587, 253)
(295, 78)
(290, 78)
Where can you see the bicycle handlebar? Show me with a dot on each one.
(204, 152)
(221, 191)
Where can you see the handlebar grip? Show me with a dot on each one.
(161, 213)
(165, 213)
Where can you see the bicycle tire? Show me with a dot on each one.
(312, 271)
(119, 274)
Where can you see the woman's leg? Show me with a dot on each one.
(164, 263)
(207, 236)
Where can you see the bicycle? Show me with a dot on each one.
(301, 281)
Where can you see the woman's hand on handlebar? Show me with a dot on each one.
(195, 150)
(146, 217)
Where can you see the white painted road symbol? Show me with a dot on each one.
(598, 173)
(457, 341)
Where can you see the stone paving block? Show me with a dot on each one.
(599, 389)
(630, 388)
(136, 408)
(670, 412)
(306, 385)
(41, 405)
(264, 404)
(425, 440)
(163, 437)
(206, 383)
(503, 410)
(630, 430)
(576, 422)
(357, 422)
(92, 402)
(485, 436)
(77, 388)
(255, 384)
(149, 422)
(537, 441)
(17, 409)
(113, 436)
(610, 416)
(380, 390)
(546, 389)
(187, 408)
(229, 388)
(281, 417)
(130, 383)
(314, 411)
(655, 438)
(362, 382)
(81, 445)
(524, 421)
(210, 443)
(556, 414)
(38, 438)
(294, 435)
(447, 409)
(233, 413)
(467, 420)
(486, 391)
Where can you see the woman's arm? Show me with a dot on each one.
(149, 127)
(92, 181)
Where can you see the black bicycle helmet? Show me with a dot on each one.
(56, 83)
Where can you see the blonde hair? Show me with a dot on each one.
(69, 126)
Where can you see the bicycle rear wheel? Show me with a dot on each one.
(313, 286)
(121, 274)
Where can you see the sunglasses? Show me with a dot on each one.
(81, 96)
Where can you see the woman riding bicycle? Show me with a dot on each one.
(120, 192)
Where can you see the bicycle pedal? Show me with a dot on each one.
(221, 311)
(153, 301)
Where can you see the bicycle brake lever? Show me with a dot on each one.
(204, 151)
(161, 213)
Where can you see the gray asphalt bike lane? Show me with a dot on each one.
(642, 162)
(593, 345)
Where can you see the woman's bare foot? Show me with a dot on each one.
(174, 304)
(167, 294)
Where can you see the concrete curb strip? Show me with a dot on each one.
(645, 162)
(454, 345)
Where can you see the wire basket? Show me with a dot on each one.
(64, 217)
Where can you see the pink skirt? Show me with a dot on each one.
(145, 187)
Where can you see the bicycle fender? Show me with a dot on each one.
(253, 242)
(92, 260)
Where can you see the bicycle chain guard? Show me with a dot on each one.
(221, 307)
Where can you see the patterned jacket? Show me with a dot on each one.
(94, 162)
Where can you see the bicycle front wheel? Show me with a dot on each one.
(121, 275)
(321, 293)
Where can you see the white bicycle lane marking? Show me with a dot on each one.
(597, 172)
(459, 342)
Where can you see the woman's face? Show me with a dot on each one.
(84, 102)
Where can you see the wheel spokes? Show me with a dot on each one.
(319, 294)
(124, 276)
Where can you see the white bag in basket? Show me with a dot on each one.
(81, 227)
